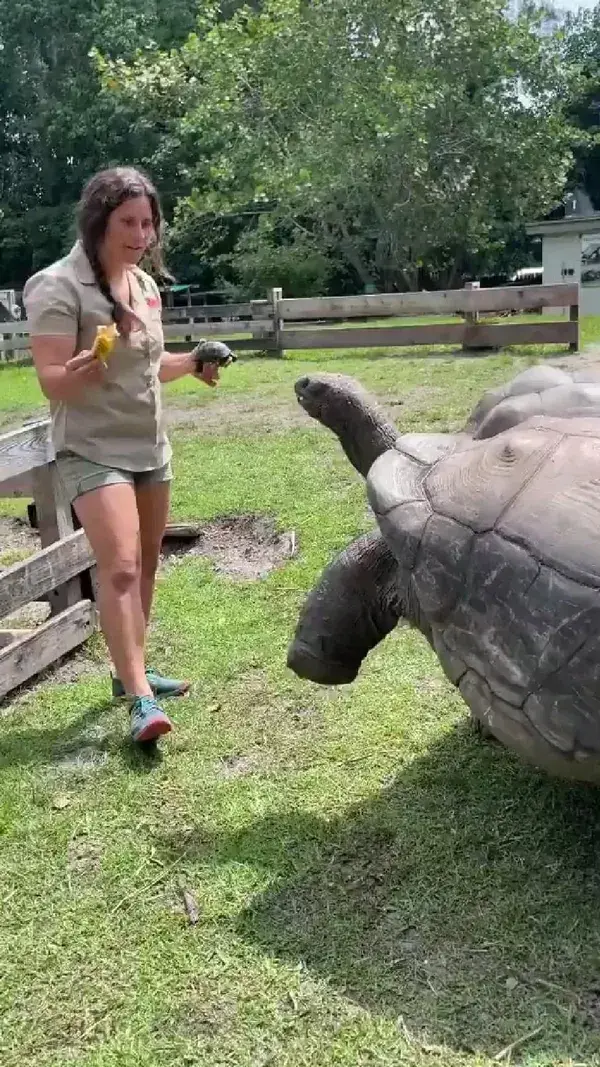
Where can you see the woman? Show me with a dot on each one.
(112, 452)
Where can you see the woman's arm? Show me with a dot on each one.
(174, 365)
(63, 376)
(52, 310)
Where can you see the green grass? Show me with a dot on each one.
(375, 886)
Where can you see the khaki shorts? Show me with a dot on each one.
(80, 475)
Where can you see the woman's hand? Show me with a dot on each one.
(209, 374)
(208, 358)
(83, 369)
(62, 375)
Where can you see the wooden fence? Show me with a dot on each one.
(60, 573)
(277, 324)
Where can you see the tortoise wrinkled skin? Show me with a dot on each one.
(487, 542)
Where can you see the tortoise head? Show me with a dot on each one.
(345, 408)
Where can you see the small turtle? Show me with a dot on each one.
(212, 352)
(487, 543)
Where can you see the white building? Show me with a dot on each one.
(571, 250)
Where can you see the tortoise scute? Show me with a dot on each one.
(443, 561)
(477, 486)
(403, 529)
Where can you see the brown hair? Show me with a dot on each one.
(104, 192)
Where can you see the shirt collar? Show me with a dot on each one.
(81, 264)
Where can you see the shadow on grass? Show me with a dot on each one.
(463, 898)
(79, 745)
(143, 757)
(32, 746)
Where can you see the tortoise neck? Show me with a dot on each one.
(367, 440)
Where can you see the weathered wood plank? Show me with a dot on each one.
(18, 326)
(23, 659)
(54, 522)
(445, 334)
(238, 344)
(182, 531)
(14, 344)
(47, 569)
(198, 311)
(195, 330)
(245, 310)
(8, 636)
(206, 329)
(242, 344)
(574, 318)
(25, 449)
(446, 302)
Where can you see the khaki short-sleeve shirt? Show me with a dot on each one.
(120, 422)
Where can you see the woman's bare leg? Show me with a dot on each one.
(153, 502)
(110, 519)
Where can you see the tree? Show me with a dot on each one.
(581, 37)
(56, 128)
(394, 139)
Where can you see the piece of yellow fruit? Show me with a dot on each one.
(105, 341)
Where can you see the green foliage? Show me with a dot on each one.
(582, 53)
(322, 147)
(395, 139)
(56, 128)
(276, 254)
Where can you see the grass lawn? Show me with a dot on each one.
(374, 885)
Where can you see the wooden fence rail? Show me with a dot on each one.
(61, 573)
(277, 324)
(444, 302)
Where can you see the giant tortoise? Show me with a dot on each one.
(486, 541)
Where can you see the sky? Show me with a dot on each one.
(573, 5)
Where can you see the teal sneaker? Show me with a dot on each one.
(161, 686)
(148, 721)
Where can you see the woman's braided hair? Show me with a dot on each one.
(104, 192)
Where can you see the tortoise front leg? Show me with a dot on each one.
(355, 604)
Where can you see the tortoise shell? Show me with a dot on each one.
(501, 543)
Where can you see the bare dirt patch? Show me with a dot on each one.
(240, 546)
(589, 359)
(236, 766)
(261, 414)
(254, 414)
(84, 856)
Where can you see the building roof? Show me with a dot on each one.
(569, 225)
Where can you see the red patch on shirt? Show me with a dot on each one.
(153, 302)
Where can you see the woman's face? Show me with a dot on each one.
(129, 231)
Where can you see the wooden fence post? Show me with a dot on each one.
(55, 522)
(574, 317)
(472, 319)
(261, 326)
(275, 298)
